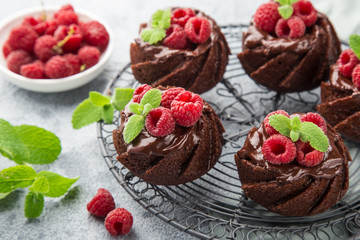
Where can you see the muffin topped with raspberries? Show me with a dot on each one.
(168, 136)
(180, 47)
(289, 46)
(297, 161)
(340, 97)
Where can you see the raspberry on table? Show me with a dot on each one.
(278, 149)
(33, 70)
(347, 62)
(294, 27)
(268, 128)
(186, 108)
(66, 17)
(266, 16)
(22, 37)
(50, 26)
(7, 49)
(89, 56)
(181, 16)
(314, 118)
(169, 95)
(308, 156)
(16, 59)
(356, 76)
(175, 37)
(140, 92)
(198, 29)
(306, 11)
(95, 34)
(73, 43)
(102, 203)
(44, 47)
(74, 61)
(160, 122)
(58, 67)
(119, 221)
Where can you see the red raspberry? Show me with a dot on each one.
(140, 92)
(95, 34)
(160, 122)
(44, 47)
(356, 76)
(40, 28)
(89, 56)
(74, 61)
(278, 149)
(33, 70)
(101, 204)
(7, 49)
(22, 37)
(181, 16)
(305, 10)
(58, 67)
(51, 26)
(266, 16)
(268, 128)
(37, 24)
(74, 41)
(314, 118)
(175, 37)
(66, 7)
(66, 17)
(187, 108)
(346, 62)
(294, 27)
(169, 95)
(16, 59)
(198, 29)
(119, 221)
(308, 156)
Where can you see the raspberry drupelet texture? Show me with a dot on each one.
(74, 61)
(34, 70)
(175, 37)
(294, 27)
(308, 156)
(58, 67)
(16, 59)
(306, 11)
(347, 62)
(7, 49)
(268, 128)
(316, 119)
(160, 122)
(51, 26)
(140, 92)
(356, 76)
(181, 16)
(102, 203)
(95, 34)
(73, 32)
(278, 149)
(198, 29)
(169, 95)
(119, 221)
(187, 108)
(22, 37)
(266, 16)
(44, 47)
(66, 17)
(89, 56)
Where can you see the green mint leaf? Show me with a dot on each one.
(108, 113)
(294, 135)
(295, 123)
(58, 185)
(354, 42)
(34, 204)
(98, 99)
(316, 137)
(281, 123)
(161, 19)
(133, 127)
(147, 108)
(153, 97)
(16, 177)
(121, 97)
(136, 108)
(282, 2)
(291, 2)
(85, 114)
(153, 36)
(4, 195)
(40, 185)
(286, 11)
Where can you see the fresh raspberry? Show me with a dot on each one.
(175, 37)
(66, 17)
(181, 16)
(66, 7)
(44, 47)
(7, 49)
(101, 204)
(198, 29)
(73, 43)
(186, 108)
(33, 70)
(294, 27)
(58, 67)
(89, 56)
(314, 118)
(169, 95)
(307, 156)
(119, 221)
(278, 149)
(38, 25)
(140, 92)
(160, 122)
(22, 37)
(95, 34)
(266, 16)
(16, 59)
(40, 28)
(268, 128)
(356, 76)
(74, 61)
(50, 26)
(347, 62)
(306, 11)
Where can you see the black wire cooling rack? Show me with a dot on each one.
(214, 206)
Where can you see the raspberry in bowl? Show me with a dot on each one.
(49, 48)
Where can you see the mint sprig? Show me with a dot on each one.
(285, 9)
(305, 131)
(354, 42)
(161, 20)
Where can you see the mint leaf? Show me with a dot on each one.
(286, 11)
(282, 2)
(315, 135)
(291, 2)
(281, 123)
(136, 108)
(121, 97)
(152, 35)
(58, 185)
(16, 177)
(295, 123)
(161, 19)
(147, 108)
(85, 114)
(98, 99)
(153, 96)
(40, 185)
(108, 113)
(294, 135)
(34, 204)
(133, 127)
(354, 42)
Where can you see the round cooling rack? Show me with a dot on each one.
(214, 206)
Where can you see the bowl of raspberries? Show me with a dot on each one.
(53, 49)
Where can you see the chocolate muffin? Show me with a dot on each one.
(292, 189)
(197, 67)
(182, 156)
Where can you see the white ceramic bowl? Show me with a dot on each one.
(50, 85)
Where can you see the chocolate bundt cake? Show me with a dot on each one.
(197, 67)
(293, 189)
(179, 157)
